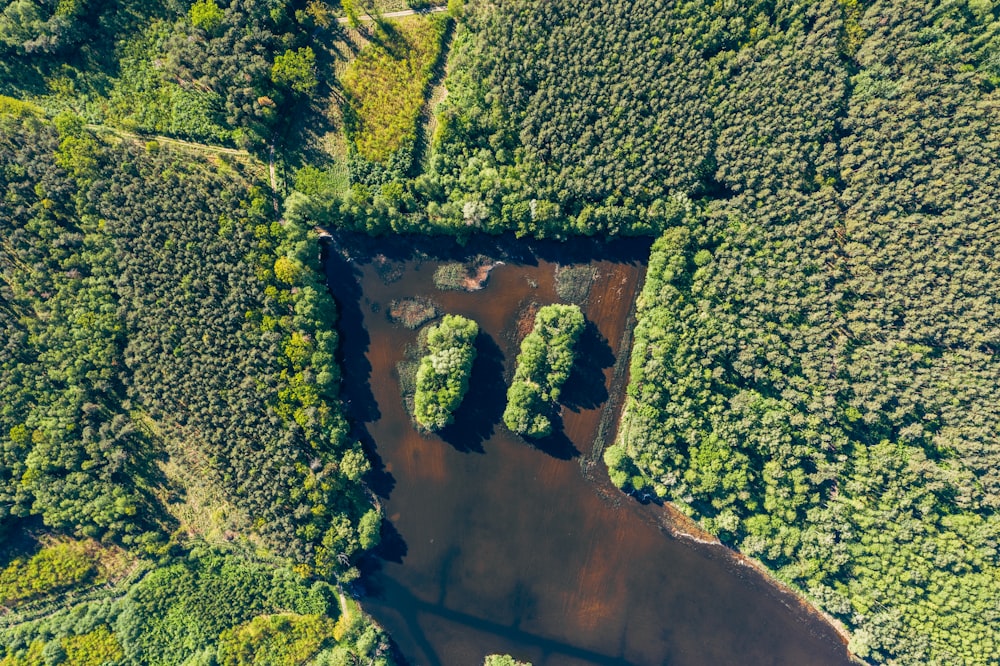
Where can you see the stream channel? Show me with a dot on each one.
(495, 545)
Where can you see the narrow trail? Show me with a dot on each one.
(405, 12)
(221, 150)
(272, 173)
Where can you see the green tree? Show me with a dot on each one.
(443, 374)
(207, 15)
(543, 366)
(296, 69)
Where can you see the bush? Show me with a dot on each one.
(451, 276)
(51, 569)
(284, 638)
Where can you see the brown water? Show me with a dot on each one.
(494, 545)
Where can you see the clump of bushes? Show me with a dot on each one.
(411, 312)
(469, 276)
(52, 569)
(573, 282)
(451, 276)
(284, 638)
(443, 374)
(543, 365)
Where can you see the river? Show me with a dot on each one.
(496, 545)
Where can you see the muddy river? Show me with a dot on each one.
(496, 545)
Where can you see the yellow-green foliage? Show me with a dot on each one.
(386, 85)
(94, 649)
(15, 107)
(275, 639)
(51, 569)
(32, 657)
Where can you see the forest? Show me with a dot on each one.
(153, 400)
(812, 375)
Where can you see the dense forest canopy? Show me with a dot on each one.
(814, 366)
(165, 338)
(813, 373)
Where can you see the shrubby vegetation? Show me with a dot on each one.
(208, 70)
(284, 638)
(53, 568)
(543, 365)
(814, 360)
(385, 87)
(207, 608)
(503, 660)
(443, 374)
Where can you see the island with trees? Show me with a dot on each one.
(443, 374)
(543, 365)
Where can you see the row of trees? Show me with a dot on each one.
(543, 365)
(443, 373)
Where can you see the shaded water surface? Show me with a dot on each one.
(494, 545)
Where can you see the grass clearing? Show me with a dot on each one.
(386, 85)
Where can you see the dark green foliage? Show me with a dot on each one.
(112, 315)
(443, 374)
(569, 117)
(543, 365)
(236, 354)
(68, 451)
(813, 368)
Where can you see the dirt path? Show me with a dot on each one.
(221, 150)
(405, 12)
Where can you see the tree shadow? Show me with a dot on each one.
(585, 388)
(483, 404)
(392, 547)
(557, 444)
(343, 277)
